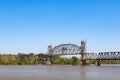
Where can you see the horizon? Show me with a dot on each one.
(29, 26)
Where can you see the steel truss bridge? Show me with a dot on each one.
(108, 56)
(73, 49)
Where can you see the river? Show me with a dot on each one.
(59, 72)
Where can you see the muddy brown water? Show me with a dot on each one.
(59, 72)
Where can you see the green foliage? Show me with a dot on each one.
(4, 59)
(74, 60)
(110, 61)
(58, 60)
(20, 59)
(32, 59)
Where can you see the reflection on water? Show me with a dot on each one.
(60, 72)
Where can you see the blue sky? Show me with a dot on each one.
(31, 25)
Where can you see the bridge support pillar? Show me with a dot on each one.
(83, 53)
(84, 62)
(50, 54)
(49, 60)
(97, 62)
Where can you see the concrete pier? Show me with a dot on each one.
(97, 62)
(84, 62)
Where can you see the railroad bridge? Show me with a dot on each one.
(73, 49)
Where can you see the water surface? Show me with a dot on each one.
(60, 72)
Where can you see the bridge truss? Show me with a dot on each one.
(72, 49)
(109, 56)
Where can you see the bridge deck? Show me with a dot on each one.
(100, 56)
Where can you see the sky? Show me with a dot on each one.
(31, 25)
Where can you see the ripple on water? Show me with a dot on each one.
(60, 72)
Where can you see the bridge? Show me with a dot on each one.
(73, 49)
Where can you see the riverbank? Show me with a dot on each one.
(32, 59)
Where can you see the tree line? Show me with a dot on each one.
(33, 59)
(19, 59)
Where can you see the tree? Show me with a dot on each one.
(32, 58)
(12, 59)
(74, 60)
(4, 59)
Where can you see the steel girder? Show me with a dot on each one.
(66, 49)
